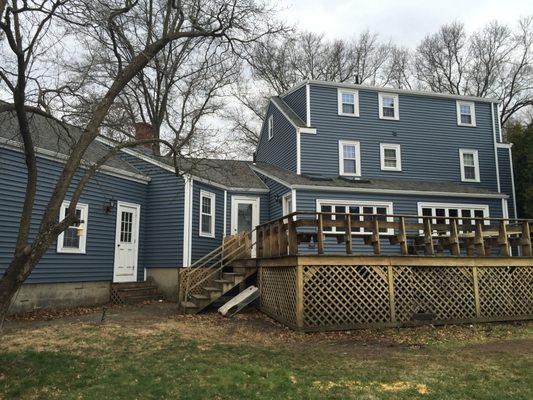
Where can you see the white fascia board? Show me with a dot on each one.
(390, 90)
(60, 157)
(496, 158)
(504, 145)
(399, 191)
(274, 178)
(229, 188)
(308, 104)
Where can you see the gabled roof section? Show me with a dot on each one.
(291, 116)
(371, 185)
(55, 140)
(389, 90)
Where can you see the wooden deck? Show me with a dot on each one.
(447, 270)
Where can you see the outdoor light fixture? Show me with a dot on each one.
(109, 205)
(277, 198)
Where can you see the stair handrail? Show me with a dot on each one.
(212, 269)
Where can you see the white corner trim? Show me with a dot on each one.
(298, 152)
(308, 103)
(225, 219)
(512, 183)
(496, 157)
(499, 122)
(293, 195)
(187, 214)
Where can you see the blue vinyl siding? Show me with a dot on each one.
(408, 204)
(281, 149)
(297, 100)
(164, 227)
(506, 180)
(203, 245)
(427, 132)
(275, 202)
(98, 262)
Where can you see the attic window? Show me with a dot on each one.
(466, 113)
(270, 127)
(389, 106)
(348, 102)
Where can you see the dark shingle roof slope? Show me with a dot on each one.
(293, 117)
(293, 179)
(50, 134)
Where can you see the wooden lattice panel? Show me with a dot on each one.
(345, 295)
(506, 291)
(278, 293)
(445, 293)
(115, 296)
(191, 277)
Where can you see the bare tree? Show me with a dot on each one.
(492, 62)
(277, 65)
(31, 28)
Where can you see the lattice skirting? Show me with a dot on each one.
(325, 297)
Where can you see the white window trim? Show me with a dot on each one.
(448, 206)
(270, 127)
(357, 157)
(382, 147)
(462, 152)
(396, 106)
(83, 238)
(357, 203)
(472, 106)
(211, 196)
(355, 93)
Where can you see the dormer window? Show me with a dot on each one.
(466, 113)
(349, 158)
(270, 127)
(348, 102)
(389, 106)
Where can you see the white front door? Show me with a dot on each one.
(245, 215)
(126, 242)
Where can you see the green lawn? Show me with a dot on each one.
(163, 360)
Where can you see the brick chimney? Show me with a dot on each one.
(144, 130)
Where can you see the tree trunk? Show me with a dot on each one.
(17, 272)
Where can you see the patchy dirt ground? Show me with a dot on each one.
(251, 326)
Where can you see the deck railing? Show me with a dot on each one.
(413, 234)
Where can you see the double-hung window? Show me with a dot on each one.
(270, 127)
(389, 107)
(469, 165)
(74, 238)
(207, 214)
(466, 113)
(348, 102)
(349, 158)
(390, 157)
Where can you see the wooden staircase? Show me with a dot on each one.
(212, 276)
(134, 292)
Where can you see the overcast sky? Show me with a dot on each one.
(405, 22)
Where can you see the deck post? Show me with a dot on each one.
(502, 239)
(402, 237)
(526, 239)
(293, 237)
(454, 238)
(348, 234)
(267, 251)
(479, 242)
(428, 237)
(320, 235)
(283, 241)
(375, 235)
(259, 242)
(390, 275)
(476, 291)
(299, 295)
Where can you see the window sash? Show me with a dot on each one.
(69, 241)
(207, 217)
